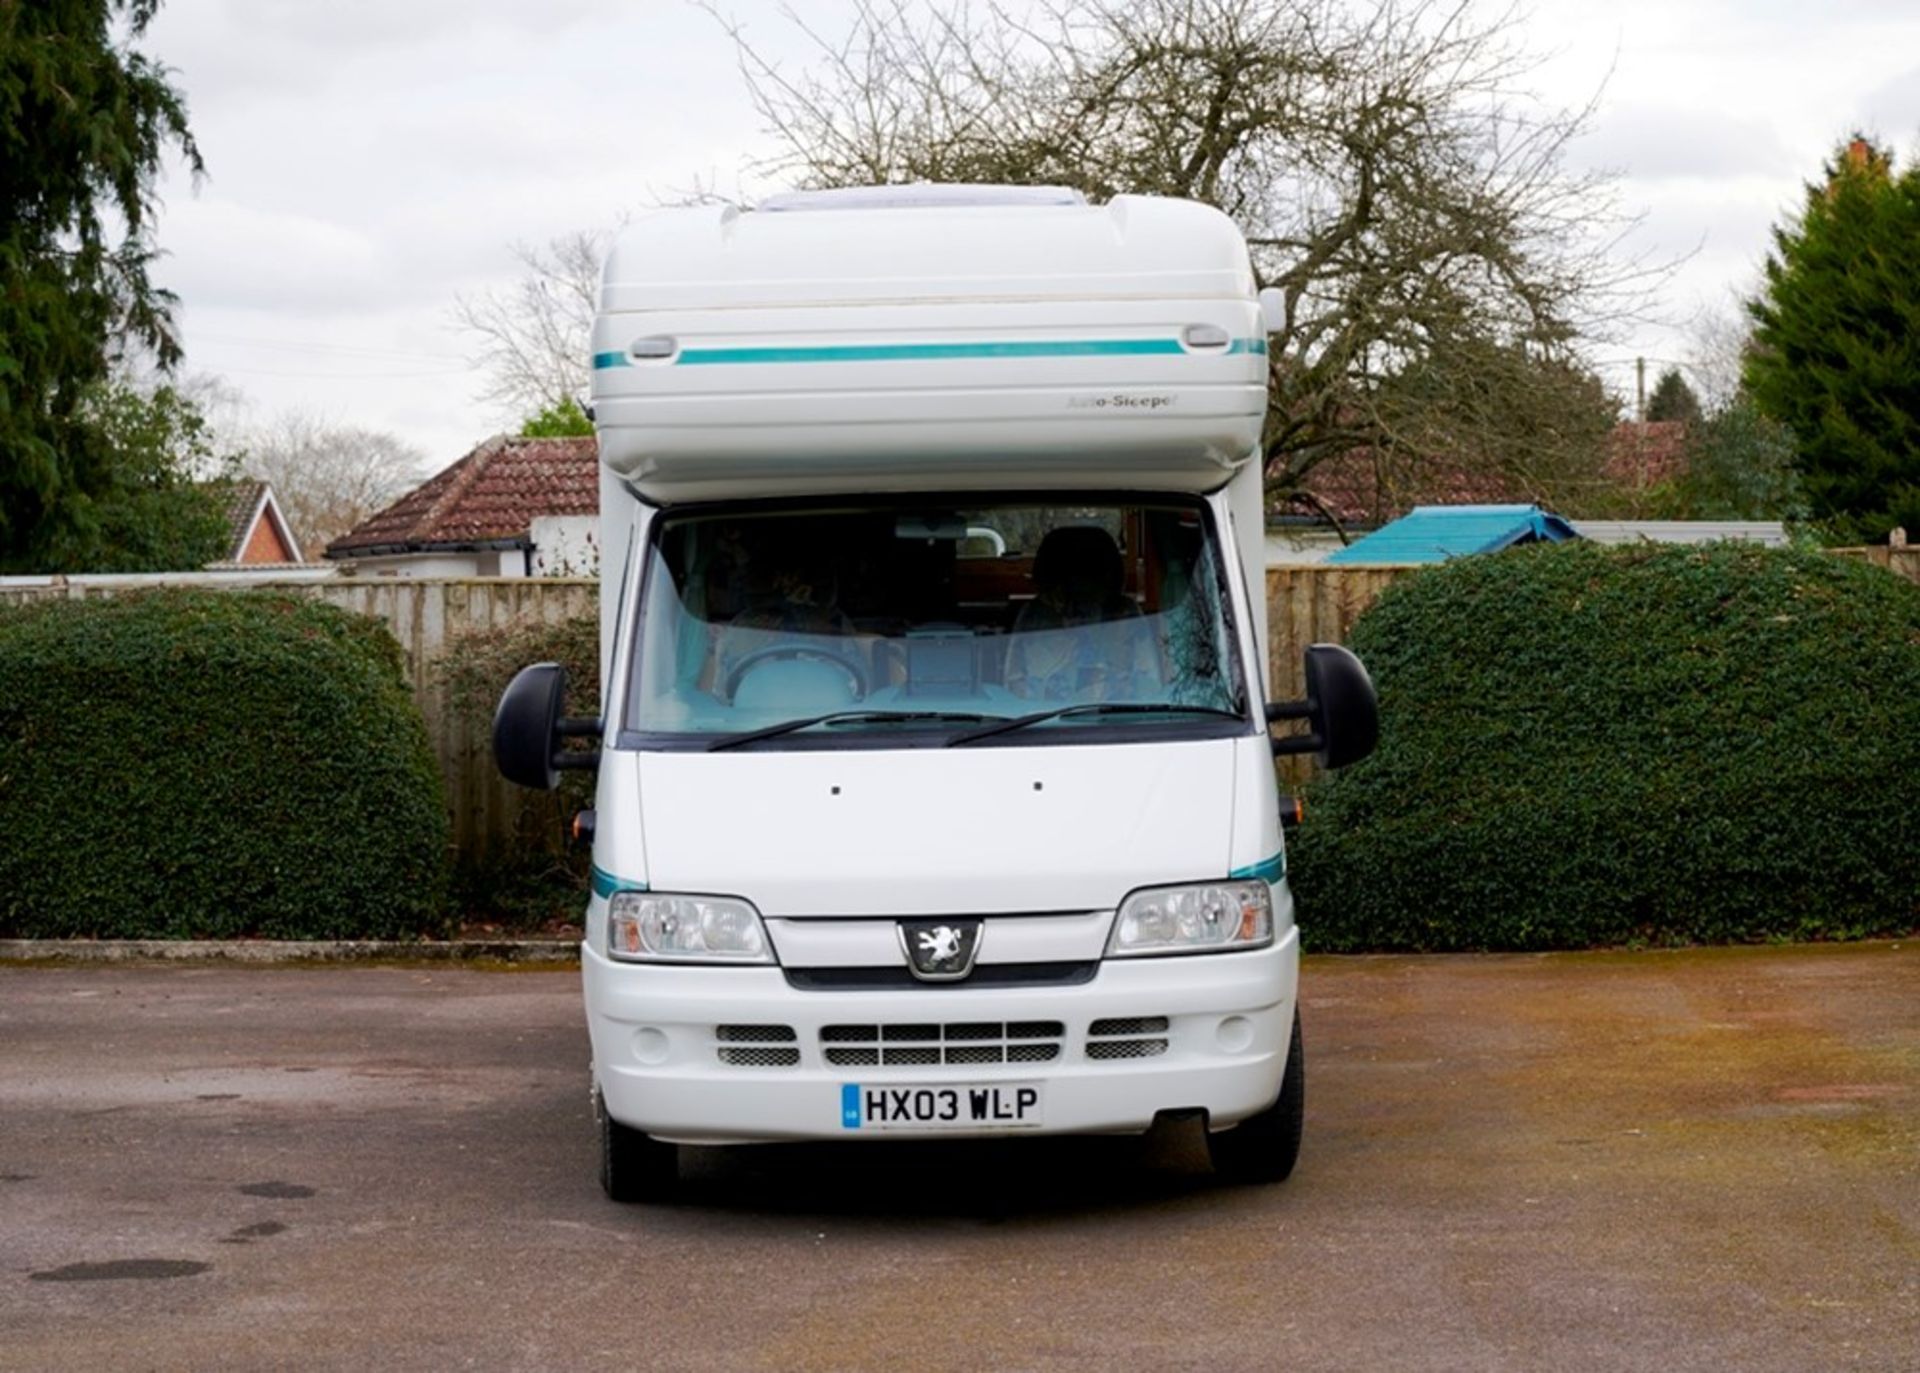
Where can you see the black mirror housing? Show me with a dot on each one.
(528, 728)
(1341, 709)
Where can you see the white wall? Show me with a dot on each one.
(563, 546)
(1289, 545)
(1769, 532)
(487, 563)
(566, 546)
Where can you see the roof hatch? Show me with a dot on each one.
(921, 196)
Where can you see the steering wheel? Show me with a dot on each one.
(807, 652)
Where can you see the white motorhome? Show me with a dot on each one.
(935, 787)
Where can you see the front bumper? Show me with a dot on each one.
(658, 1061)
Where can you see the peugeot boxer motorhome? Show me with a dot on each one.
(935, 787)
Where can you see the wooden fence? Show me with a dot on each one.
(1316, 604)
(1903, 562)
(425, 616)
(1312, 603)
(1306, 604)
(428, 615)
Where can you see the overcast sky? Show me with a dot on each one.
(370, 160)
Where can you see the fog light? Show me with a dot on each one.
(1234, 1034)
(651, 1045)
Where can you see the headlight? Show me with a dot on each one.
(648, 926)
(1207, 917)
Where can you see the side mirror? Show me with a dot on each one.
(1341, 711)
(528, 729)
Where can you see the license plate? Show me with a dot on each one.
(993, 1106)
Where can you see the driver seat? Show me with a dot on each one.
(1081, 637)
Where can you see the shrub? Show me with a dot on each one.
(1582, 746)
(195, 764)
(537, 877)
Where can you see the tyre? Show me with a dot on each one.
(1264, 1147)
(634, 1166)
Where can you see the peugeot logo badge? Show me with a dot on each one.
(940, 950)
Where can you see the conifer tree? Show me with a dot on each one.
(1836, 344)
(85, 119)
(1673, 399)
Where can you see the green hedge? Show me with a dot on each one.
(185, 764)
(1582, 746)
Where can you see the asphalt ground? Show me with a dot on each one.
(1663, 1160)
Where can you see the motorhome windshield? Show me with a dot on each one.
(884, 622)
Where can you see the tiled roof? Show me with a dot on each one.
(1358, 489)
(491, 496)
(1361, 488)
(238, 500)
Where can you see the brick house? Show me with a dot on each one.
(258, 534)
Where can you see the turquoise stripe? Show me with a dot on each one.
(606, 884)
(934, 352)
(1270, 870)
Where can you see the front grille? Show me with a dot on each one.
(758, 1046)
(898, 978)
(930, 1045)
(1136, 1036)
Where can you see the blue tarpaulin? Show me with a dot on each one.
(1434, 533)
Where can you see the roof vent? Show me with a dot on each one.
(923, 195)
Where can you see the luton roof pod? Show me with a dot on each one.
(1019, 338)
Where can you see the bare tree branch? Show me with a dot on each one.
(328, 477)
(1412, 202)
(533, 337)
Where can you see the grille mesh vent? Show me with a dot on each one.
(1129, 1025)
(758, 1046)
(735, 1057)
(1138, 1036)
(930, 1045)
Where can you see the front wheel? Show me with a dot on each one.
(634, 1166)
(1264, 1147)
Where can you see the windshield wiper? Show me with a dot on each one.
(1092, 708)
(886, 717)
